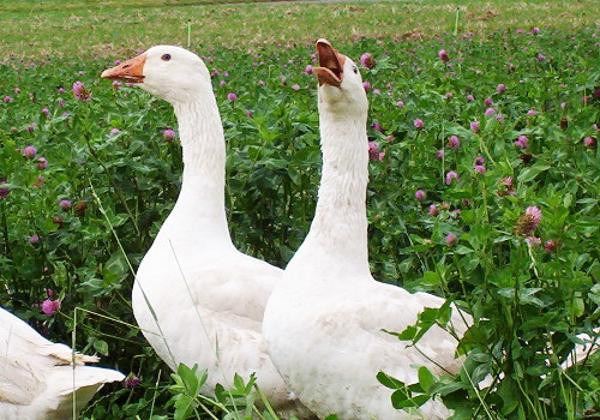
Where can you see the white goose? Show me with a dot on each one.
(208, 297)
(38, 378)
(323, 322)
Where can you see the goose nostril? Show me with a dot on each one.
(126, 65)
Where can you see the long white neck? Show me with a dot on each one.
(339, 227)
(200, 208)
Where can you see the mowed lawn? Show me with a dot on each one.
(32, 30)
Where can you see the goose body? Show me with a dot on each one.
(207, 297)
(38, 378)
(324, 321)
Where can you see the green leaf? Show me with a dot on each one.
(532, 172)
(101, 347)
(115, 269)
(507, 391)
(183, 406)
(401, 400)
(426, 378)
(431, 278)
(389, 381)
(407, 335)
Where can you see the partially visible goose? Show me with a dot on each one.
(208, 297)
(323, 322)
(38, 377)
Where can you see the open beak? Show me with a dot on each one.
(130, 71)
(331, 64)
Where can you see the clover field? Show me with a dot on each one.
(484, 189)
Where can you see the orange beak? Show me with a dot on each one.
(131, 71)
(331, 70)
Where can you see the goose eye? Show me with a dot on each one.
(355, 70)
(165, 57)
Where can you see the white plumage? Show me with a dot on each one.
(38, 377)
(208, 297)
(324, 321)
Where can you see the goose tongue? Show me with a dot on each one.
(331, 69)
(131, 71)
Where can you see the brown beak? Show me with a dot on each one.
(331, 70)
(131, 71)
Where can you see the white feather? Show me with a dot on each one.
(38, 378)
(323, 323)
(208, 297)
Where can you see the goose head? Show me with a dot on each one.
(340, 84)
(168, 72)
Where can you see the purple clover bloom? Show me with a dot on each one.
(131, 382)
(400, 104)
(42, 163)
(532, 112)
(4, 189)
(50, 307)
(80, 92)
(420, 195)
(451, 239)
(7, 99)
(308, 69)
(480, 169)
(34, 239)
(535, 215)
(488, 102)
(589, 142)
(418, 123)
(501, 88)
(433, 210)
(453, 142)
(522, 142)
(443, 55)
(169, 134)
(29, 152)
(232, 97)
(65, 204)
(550, 246)
(374, 153)
(439, 154)
(475, 126)
(451, 176)
(366, 86)
(470, 98)
(367, 61)
(479, 160)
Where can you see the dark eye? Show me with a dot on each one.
(355, 70)
(166, 57)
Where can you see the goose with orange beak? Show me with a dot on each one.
(208, 297)
(323, 323)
